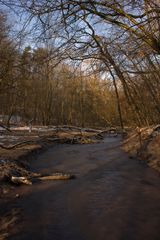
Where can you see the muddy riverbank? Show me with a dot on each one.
(144, 143)
(18, 151)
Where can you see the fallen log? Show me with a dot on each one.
(5, 127)
(16, 145)
(21, 180)
(57, 176)
(80, 129)
(28, 142)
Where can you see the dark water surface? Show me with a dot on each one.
(112, 198)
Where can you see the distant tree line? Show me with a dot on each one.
(33, 88)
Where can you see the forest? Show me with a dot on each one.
(85, 63)
(80, 119)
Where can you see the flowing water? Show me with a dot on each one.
(112, 198)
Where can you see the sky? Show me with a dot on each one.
(19, 29)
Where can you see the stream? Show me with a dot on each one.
(111, 198)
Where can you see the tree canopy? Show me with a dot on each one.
(116, 41)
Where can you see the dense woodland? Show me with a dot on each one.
(93, 63)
